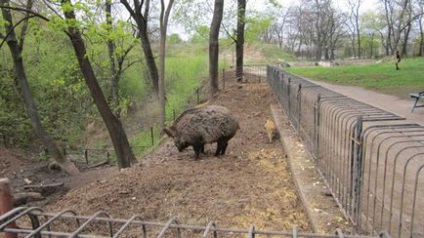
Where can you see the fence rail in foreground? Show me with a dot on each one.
(68, 224)
(371, 160)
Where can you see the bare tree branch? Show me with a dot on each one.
(34, 14)
(13, 28)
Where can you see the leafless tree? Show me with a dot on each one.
(354, 6)
(399, 16)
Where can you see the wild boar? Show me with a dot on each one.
(199, 126)
(270, 129)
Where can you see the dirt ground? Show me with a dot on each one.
(251, 184)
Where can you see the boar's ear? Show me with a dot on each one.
(169, 132)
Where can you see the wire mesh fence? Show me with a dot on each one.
(371, 159)
(34, 222)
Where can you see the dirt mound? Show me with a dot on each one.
(251, 184)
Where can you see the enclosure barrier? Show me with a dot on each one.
(34, 222)
(371, 160)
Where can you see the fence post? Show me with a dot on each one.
(86, 155)
(3, 136)
(197, 95)
(223, 79)
(152, 135)
(299, 103)
(6, 204)
(280, 88)
(357, 172)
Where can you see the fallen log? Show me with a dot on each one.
(99, 164)
(26, 197)
(44, 189)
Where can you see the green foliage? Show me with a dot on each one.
(184, 77)
(201, 34)
(174, 39)
(382, 77)
(255, 26)
(13, 120)
(148, 138)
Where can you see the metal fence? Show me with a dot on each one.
(34, 222)
(371, 159)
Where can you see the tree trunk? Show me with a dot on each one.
(214, 47)
(141, 22)
(164, 17)
(406, 33)
(117, 134)
(28, 99)
(420, 51)
(114, 89)
(241, 10)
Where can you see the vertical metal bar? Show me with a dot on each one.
(317, 122)
(295, 232)
(167, 225)
(251, 231)
(47, 223)
(358, 172)
(415, 198)
(6, 204)
(403, 190)
(92, 218)
(339, 233)
(208, 227)
(299, 105)
(127, 224)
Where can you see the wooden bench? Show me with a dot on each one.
(416, 97)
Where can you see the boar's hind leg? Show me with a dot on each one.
(222, 146)
(202, 149)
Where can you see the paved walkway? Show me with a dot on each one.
(389, 103)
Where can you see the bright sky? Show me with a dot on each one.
(260, 5)
(365, 6)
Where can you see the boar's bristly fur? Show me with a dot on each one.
(202, 125)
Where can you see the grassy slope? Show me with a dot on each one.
(381, 77)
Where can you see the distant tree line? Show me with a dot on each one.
(323, 30)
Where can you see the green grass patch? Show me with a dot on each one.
(382, 77)
(184, 76)
(146, 139)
